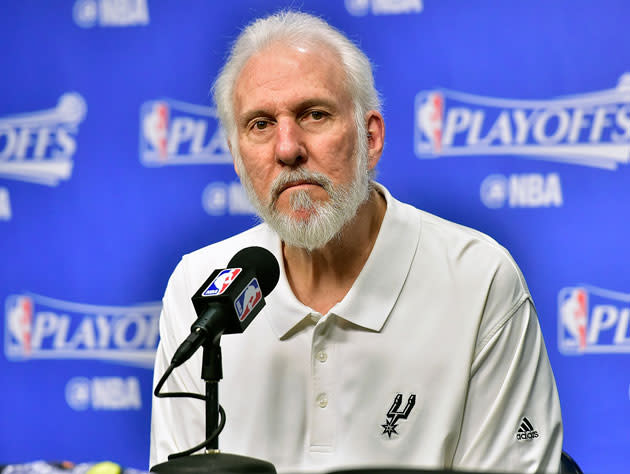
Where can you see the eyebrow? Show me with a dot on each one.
(317, 101)
(245, 118)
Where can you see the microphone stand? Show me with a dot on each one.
(213, 461)
(211, 373)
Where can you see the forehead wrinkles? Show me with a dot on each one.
(316, 66)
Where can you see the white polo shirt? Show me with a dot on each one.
(433, 359)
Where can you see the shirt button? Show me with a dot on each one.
(322, 356)
(322, 400)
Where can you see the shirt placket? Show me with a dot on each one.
(323, 422)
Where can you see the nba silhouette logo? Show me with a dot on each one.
(222, 282)
(155, 128)
(247, 300)
(430, 121)
(20, 321)
(573, 308)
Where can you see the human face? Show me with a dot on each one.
(293, 112)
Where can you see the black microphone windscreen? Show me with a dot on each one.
(264, 264)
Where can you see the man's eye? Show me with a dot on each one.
(317, 115)
(260, 124)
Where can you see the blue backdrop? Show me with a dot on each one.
(509, 117)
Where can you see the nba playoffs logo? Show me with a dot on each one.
(37, 327)
(588, 129)
(20, 321)
(222, 281)
(177, 133)
(593, 320)
(247, 300)
(39, 146)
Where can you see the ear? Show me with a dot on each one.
(229, 144)
(376, 136)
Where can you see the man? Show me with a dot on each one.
(393, 337)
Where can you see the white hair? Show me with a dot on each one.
(295, 29)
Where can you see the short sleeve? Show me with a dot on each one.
(512, 420)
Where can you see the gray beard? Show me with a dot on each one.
(327, 219)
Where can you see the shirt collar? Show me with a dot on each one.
(376, 289)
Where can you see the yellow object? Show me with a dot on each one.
(105, 468)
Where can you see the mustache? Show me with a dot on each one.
(291, 177)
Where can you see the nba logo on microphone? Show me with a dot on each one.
(222, 281)
(247, 300)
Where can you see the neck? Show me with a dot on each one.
(321, 278)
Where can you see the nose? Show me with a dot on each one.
(289, 147)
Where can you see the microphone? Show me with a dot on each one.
(230, 299)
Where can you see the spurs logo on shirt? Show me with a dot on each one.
(394, 414)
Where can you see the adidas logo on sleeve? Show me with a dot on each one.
(526, 431)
